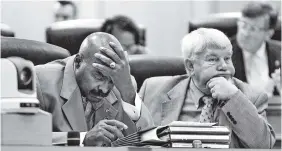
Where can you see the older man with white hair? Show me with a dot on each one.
(210, 93)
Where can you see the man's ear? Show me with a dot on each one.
(77, 61)
(189, 66)
(269, 33)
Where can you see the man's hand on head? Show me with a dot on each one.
(104, 132)
(117, 67)
(221, 88)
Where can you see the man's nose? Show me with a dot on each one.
(222, 65)
(105, 86)
(246, 31)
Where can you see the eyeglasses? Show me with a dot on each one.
(244, 25)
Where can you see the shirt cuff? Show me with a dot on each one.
(82, 136)
(133, 111)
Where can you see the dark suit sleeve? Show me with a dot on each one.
(249, 121)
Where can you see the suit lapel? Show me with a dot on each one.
(238, 60)
(173, 101)
(74, 112)
(273, 60)
(73, 108)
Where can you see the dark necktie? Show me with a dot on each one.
(207, 111)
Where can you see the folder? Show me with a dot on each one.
(178, 132)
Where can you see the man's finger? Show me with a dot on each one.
(118, 50)
(212, 90)
(104, 69)
(114, 130)
(106, 141)
(211, 84)
(107, 133)
(112, 54)
(103, 58)
(214, 95)
(211, 80)
(119, 124)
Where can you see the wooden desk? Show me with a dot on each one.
(57, 148)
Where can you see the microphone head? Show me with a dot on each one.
(73, 138)
(197, 144)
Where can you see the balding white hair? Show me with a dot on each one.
(201, 39)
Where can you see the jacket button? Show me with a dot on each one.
(139, 128)
(107, 110)
(234, 122)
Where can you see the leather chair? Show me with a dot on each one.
(146, 66)
(227, 23)
(6, 31)
(70, 34)
(35, 51)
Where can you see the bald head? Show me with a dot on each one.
(92, 44)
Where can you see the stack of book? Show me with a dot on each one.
(179, 134)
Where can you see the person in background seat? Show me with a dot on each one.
(256, 57)
(64, 10)
(127, 32)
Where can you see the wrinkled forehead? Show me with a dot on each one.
(218, 51)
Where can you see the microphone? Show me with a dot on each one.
(197, 144)
(73, 138)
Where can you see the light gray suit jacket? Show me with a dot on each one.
(244, 113)
(59, 94)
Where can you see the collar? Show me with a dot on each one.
(260, 53)
(69, 81)
(195, 94)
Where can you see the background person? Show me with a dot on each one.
(127, 32)
(256, 57)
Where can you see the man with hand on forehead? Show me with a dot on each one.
(209, 92)
(93, 92)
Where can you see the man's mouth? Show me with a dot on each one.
(98, 94)
(226, 76)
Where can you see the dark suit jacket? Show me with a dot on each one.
(273, 49)
(244, 113)
(59, 94)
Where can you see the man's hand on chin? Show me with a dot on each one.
(221, 88)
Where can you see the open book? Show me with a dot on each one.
(177, 132)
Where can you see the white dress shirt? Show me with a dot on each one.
(257, 71)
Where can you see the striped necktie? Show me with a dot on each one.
(89, 115)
